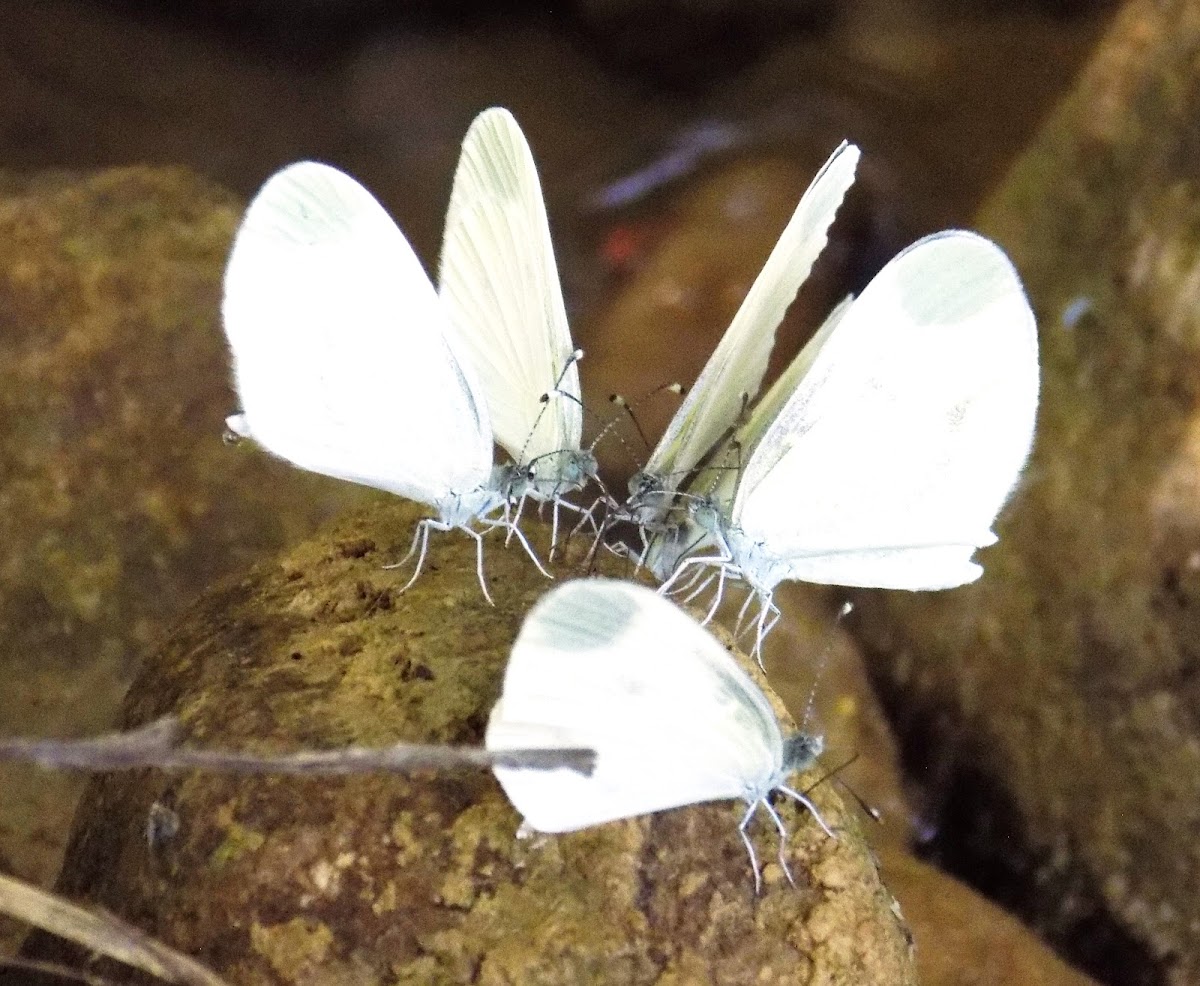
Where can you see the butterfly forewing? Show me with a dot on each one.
(341, 353)
(735, 371)
(500, 285)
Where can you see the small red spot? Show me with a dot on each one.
(624, 247)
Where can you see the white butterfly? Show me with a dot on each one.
(614, 667)
(347, 362)
(885, 452)
(733, 374)
(500, 286)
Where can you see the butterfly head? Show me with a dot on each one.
(800, 751)
(706, 513)
(650, 502)
(549, 476)
(643, 484)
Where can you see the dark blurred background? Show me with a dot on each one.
(940, 93)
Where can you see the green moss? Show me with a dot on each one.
(239, 840)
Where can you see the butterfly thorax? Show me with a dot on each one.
(650, 502)
(686, 528)
(462, 509)
(760, 567)
(644, 484)
(800, 751)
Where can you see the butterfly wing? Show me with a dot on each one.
(500, 286)
(735, 370)
(615, 667)
(717, 482)
(896, 450)
(342, 356)
(721, 481)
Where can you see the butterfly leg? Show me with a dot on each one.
(601, 530)
(478, 562)
(586, 517)
(648, 538)
(553, 527)
(417, 531)
(696, 570)
(809, 805)
(512, 524)
(423, 528)
(739, 627)
(524, 542)
(776, 616)
(699, 590)
(787, 870)
(745, 823)
(646, 541)
(717, 596)
(767, 608)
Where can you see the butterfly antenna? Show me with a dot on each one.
(604, 426)
(627, 405)
(866, 807)
(623, 404)
(544, 400)
(736, 468)
(822, 663)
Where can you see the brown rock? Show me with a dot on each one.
(420, 879)
(959, 936)
(962, 939)
(1062, 688)
(689, 43)
(118, 500)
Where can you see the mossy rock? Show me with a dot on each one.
(420, 879)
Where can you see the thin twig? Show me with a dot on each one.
(157, 745)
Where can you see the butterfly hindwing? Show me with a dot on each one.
(615, 667)
(896, 450)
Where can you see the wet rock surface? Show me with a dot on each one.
(421, 879)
